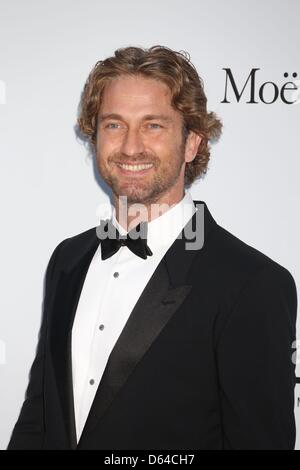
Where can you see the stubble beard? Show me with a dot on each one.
(153, 188)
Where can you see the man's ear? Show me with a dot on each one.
(191, 146)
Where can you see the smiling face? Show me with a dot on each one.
(140, 149)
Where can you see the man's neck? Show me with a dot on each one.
(130, 214)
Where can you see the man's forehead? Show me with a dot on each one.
(147, 117)
(145, 98)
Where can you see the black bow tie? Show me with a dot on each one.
(112, 240)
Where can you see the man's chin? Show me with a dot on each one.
(135, 195)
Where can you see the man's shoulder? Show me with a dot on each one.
(234, 258)
(70, 249)
(79, 238)
(231, 255)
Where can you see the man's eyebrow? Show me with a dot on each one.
(147, 117)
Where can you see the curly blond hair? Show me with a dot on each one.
(175, 70)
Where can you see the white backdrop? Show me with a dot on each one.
(49, 190)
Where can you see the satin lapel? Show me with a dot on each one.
(65, 302)
(161, 298)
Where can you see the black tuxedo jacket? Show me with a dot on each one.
(203, 362)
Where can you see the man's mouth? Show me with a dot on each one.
(135, 167)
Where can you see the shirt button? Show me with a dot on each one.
(92, 381)
(116, 274)
(101, 327)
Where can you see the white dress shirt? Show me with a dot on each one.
(110, 291)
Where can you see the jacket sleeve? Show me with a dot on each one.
(255, 368)
(28, 433)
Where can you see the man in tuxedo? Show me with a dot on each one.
(152, 338)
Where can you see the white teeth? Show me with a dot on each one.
(136, 167)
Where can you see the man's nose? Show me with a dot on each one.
(132, 143)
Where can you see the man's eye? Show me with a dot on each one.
(155, 126)
(112, 125)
